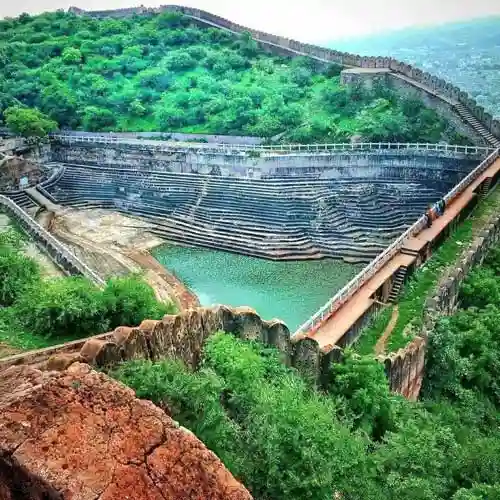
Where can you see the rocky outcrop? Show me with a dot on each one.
(15, 168)
(79, 434)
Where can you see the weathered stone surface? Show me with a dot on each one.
(81, 435)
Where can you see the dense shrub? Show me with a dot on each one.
(130, 300)
(17, 274)
(59, 307)
(64, 308)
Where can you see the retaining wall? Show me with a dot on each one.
(176, 136)
(60, 255)
(378, 164)
(436, 102)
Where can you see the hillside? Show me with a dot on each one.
(163, 73)
(466, 53)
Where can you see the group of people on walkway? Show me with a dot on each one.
(438, 211)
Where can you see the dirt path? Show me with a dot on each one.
(382, 341)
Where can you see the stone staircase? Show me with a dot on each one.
(399, 280)
(283, 218)
(485, 188)
(479, 128)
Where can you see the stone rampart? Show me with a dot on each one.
(179, 336)
(450, 94)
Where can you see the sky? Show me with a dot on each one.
(305, 20)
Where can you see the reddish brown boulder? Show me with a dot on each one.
(80, 434)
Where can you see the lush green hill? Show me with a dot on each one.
(466, 53)
(161, 72)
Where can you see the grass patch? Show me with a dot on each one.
(365, 345)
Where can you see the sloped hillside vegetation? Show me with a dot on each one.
(164, 73)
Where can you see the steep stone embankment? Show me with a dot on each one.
(79, 434)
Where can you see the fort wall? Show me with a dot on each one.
(405, 368)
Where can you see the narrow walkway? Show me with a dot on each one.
(382, 341)
(43, 201)
(330, 333)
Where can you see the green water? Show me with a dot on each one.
(290, 291)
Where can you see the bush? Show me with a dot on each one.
(17, 274)
(28, 122)
(130, 300)
(63, 307)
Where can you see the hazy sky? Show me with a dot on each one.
(305, 20)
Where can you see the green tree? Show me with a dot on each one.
(63, 307)
(95, 118)
(71, 55)
(17, 273)
(28, 122)
(361, 385)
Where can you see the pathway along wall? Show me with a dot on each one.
(405, 368)
(458, 102)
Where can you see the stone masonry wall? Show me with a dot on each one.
(433, 101)
(401, 164)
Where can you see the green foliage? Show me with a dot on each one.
(71, 55)
(28, 122)
(361, 385)
(164, 72)
(129, 300)
(36, 312)
(95, 119)
(58, 307)
(17, 273)
(269, 427)
(368, 339)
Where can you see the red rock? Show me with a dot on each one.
(84, 436)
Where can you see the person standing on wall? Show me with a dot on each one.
(428, 216)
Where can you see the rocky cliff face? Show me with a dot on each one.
(78, 434)
(14, 168)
